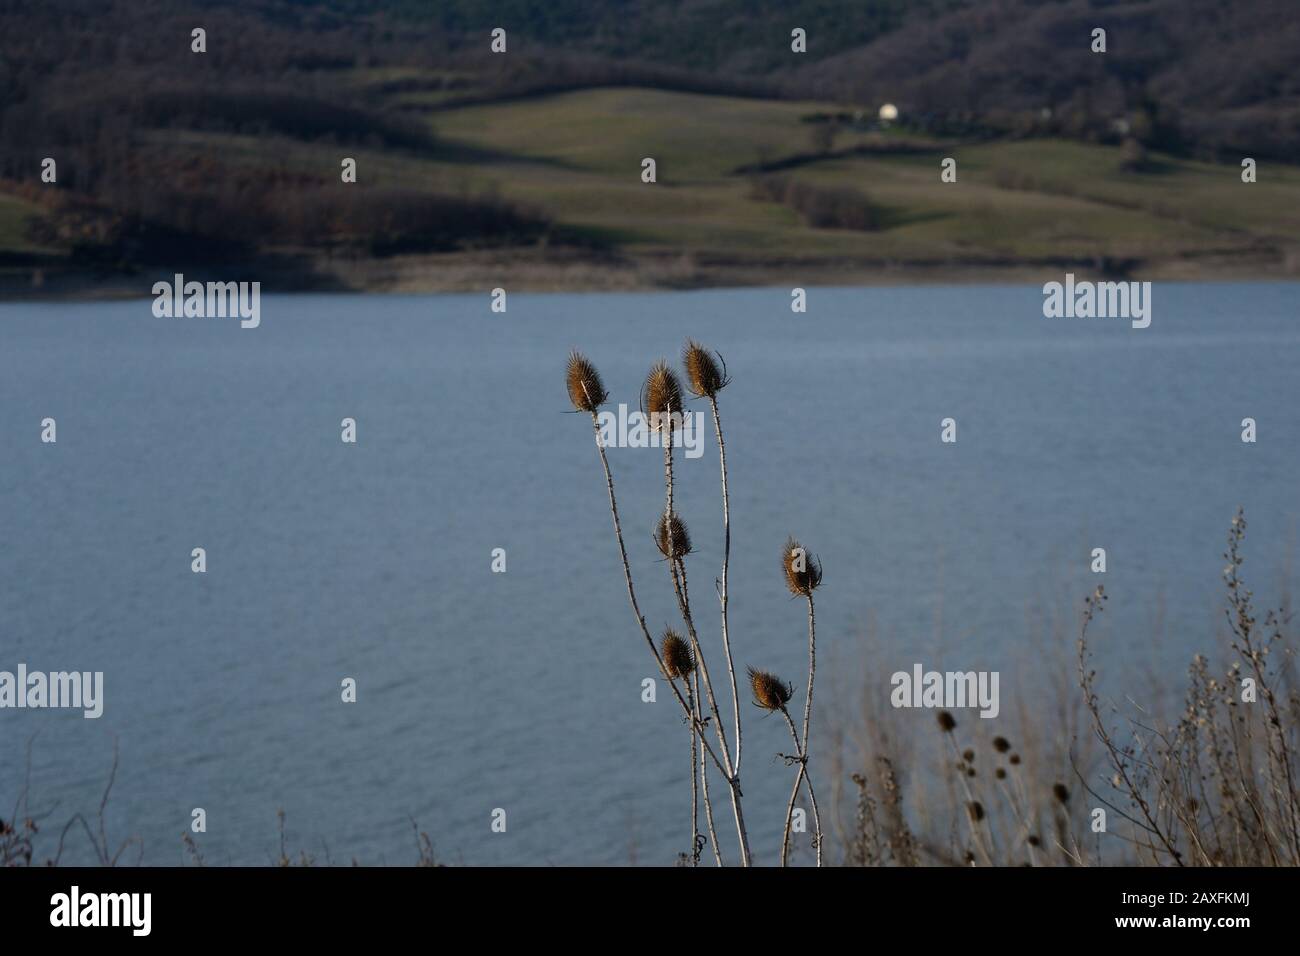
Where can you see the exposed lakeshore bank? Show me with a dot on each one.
(558, 270)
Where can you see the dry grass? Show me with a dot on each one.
(1212, 783)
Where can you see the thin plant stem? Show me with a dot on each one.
(812, 668)
(683, 602)
(976, 838)
(801, 757)
(807, 711)
(631, 593)
(695, 785)
(678, 567)
(817, 816)
(789, 816)
(704, 787)
(726, 560)
(1117, 758)
(684, 605)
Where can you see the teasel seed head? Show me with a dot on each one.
(803, 572)
(976, 810)
(947, 722)
(1001, 744)
(770, 692)
(586, 390)
(661, 398)
(1061, 794)
(968, 756)
(1000, 773)
(681, 538)
(1015, 760)
(676, 653)
(706, 373)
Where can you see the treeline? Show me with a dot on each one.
(822, 207)
(1212, 78)
(233, 220)
(524, 76)
(1208, 78)
(121, 103)
(706, 37)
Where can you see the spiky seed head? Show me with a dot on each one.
(770, 692)
(947, 722)
(1000, 773)
(976, 810)
(1033, 839)
(1015, 760)
(968, 756)
(803, 572)
(681, 538)
(586, 390)
(676, 653)
(1060, 792)
(1001, 744)
(661, 398)
(706, 373)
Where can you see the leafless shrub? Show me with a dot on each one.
(823, 207)
(1215, 785)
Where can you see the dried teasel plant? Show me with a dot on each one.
(661, 401)
(803, 572)
(770, 692)
(679, 662)
(671, 537)
(706, 375)
(982, 853)
(587, 393)
(803, 575)
(586, 390)
(661, 398)
(680, 654)
(706, 372)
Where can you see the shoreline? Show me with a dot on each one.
(561, 271)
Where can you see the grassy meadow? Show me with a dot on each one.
(569, 163)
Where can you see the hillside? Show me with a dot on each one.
(1207, 77)
(230, 160)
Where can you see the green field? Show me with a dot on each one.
(576, 158)
(15, 215)
(578, 155)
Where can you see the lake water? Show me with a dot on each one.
(523, 690)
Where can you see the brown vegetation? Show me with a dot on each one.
(823, 207)
(1214, 783)
(682, 660)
